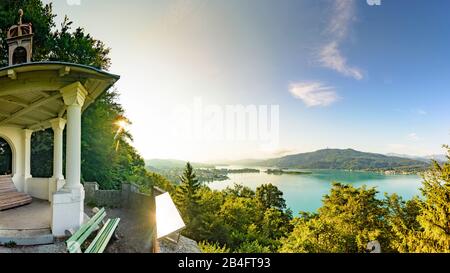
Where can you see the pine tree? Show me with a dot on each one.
(435, 210)
(187, 199)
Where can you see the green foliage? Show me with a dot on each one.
(347, 221)
(42, 153)
(275, 223)
(357, 214)
(84, 49)
(253, 247)
(207, 247)
(270, 196)
(101, 162)
(434, 217)
(187, 200)
(402, 219)
(239, 191)
(149, 180)
(313, 235)
(5, 157)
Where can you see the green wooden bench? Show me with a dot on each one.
(102, 238)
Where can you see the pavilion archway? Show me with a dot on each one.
(6, 157)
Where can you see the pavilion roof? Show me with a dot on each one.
(30, 96)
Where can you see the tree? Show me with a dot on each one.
(275, 224)
(434, 217)
(187, 199)
(402, 220)
(348, 220)
(313, 235)
(270, 196)
(357, 214)
(78, 47)
(102, 160)
(239, 190)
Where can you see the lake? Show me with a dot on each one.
(305, 192)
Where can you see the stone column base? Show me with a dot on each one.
(54, 186)
(67, 211)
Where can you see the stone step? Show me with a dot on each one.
(27, 237)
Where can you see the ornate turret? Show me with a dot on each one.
(20, 42)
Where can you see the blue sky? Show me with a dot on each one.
(344, 74)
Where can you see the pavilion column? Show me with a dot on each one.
(26, 158)
(57, 180)
(74, 96)
(68, 203)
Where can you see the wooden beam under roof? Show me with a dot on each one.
(30, 108)
(23, 104)
(4, 114)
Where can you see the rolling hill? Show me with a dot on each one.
(347, 159)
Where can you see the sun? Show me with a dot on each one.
(122, 124)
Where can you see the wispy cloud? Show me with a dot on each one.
(330, 55)
(314, 93)
(413, 137)
(422, 112)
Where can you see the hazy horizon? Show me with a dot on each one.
(342, 73)
(225, 160)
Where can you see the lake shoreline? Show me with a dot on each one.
(305, 192)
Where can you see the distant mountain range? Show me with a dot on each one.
(345, 159)
(429, 158)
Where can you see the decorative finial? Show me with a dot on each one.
(20, 16)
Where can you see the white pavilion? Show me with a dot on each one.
(36, 96)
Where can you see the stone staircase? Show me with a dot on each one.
(26, 237)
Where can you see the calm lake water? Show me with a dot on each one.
(305, 192)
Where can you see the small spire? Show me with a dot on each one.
(20, 16)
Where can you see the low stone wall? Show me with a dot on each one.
(102, 198)
(128, 197)
(38, 187)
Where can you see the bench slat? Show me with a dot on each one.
(101, 240)
(78, 238)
